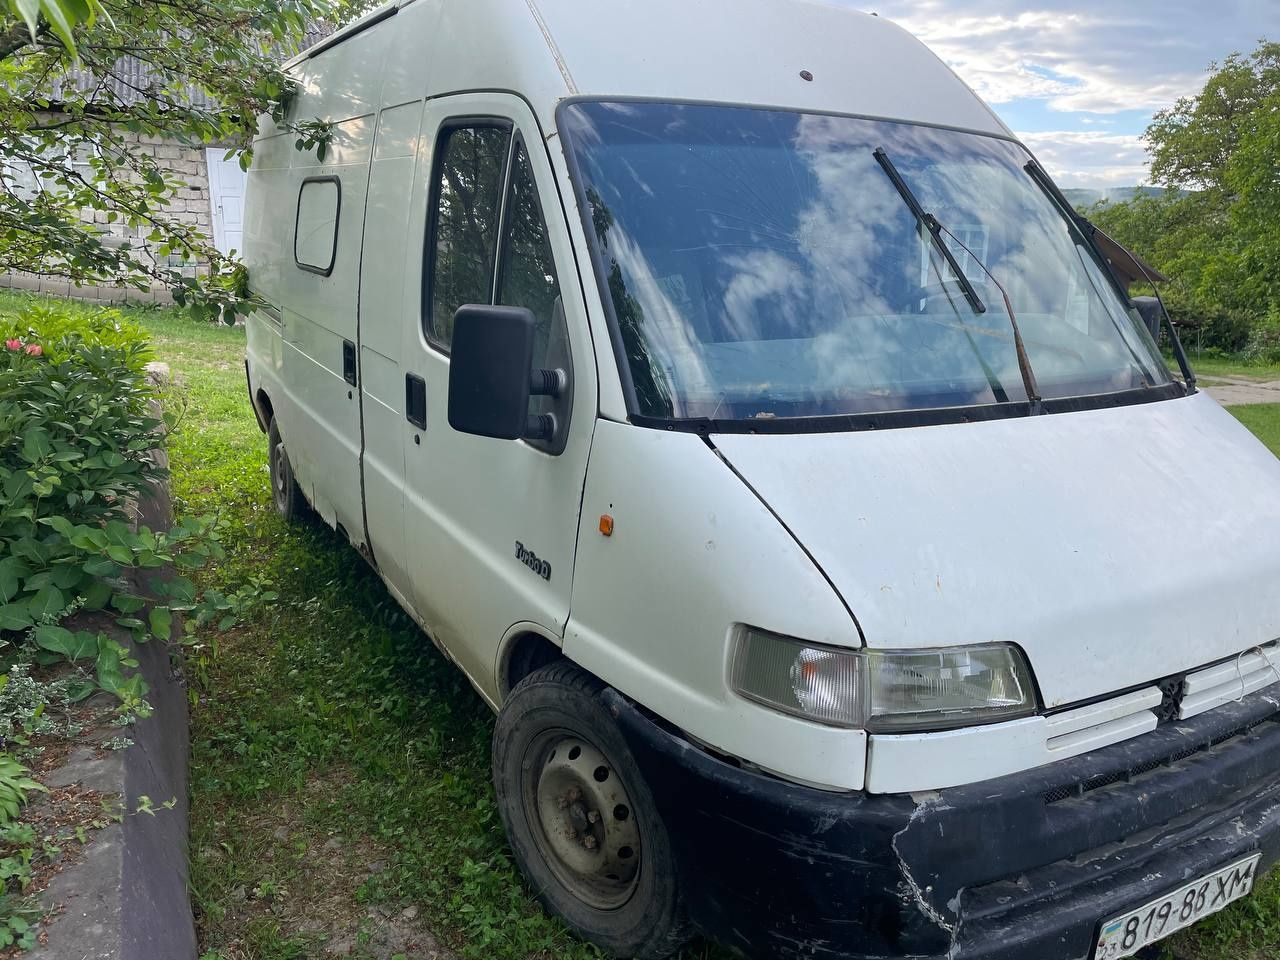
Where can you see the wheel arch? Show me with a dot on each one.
(263, 409)
(525, 648)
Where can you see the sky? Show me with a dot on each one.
(1079, 80)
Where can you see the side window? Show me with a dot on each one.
(528, 274)
(470, 169)
(315, 232)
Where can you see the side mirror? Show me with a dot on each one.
(1149, 309)
(490, 375)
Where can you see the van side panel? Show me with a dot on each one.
(413, 46)
(385, 311)
(317, 407)
(265, 233)
(693, 551)
(319, 321)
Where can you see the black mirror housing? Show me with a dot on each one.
(489, 371)
(1149, 309)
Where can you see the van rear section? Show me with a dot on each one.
(741, 407)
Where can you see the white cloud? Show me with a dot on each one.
(1086, 60)
(1094, 56)
(1089, 158)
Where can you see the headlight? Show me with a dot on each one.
(883, 690)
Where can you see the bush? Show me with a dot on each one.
(1211, 326)
(14, 787)
(75, 439)
(1226, 330)
(1264, 342)
(58, 331)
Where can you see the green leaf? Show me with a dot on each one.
(29, 10)
(121, 555)
(97, 595)
(88, 538)
(61, 524)
(66, 576)
(78, 690)
(127, 602)
(12, 570)
(32, 549)
(161, 620)
(38, 581)
(182, 589)
(101, 567)
(48, 602)
(108, 661)
(60, 22)
(81, 645)
(15, 616)
(35, 445)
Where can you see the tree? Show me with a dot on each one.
(1253, 177)
(1216, 231)
(1192, 142)
(207, 69)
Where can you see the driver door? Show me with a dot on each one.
(476, 507)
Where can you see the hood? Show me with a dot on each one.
(1115, 547)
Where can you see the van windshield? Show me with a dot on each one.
(761, 264)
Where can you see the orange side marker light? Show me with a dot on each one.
(606, 524)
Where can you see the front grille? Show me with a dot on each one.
(1103, 780)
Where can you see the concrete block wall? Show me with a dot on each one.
(190, 205)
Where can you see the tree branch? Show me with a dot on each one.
(18, 36)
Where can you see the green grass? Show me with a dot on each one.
(329, 736)
(1210, 367)
(340, 767)
(1264, 420)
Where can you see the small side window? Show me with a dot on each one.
(315, 236)
(470, 167)
(527, 278)
(528, 275)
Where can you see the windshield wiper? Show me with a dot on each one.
(936, 230)
(1089, 232)
(930, 223)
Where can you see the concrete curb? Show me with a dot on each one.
(127, 897)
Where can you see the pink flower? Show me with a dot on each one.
(13, 344)
(34, 349)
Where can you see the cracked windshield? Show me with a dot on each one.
(761, 264)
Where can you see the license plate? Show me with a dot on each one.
(1127, 934)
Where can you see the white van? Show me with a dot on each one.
(732, 397)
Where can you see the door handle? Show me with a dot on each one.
(415, 400)
(349, 362)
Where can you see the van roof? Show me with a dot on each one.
(758, 52)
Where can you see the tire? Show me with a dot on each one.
(285, 492)
(581, 820)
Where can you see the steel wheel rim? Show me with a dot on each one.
(582, 819)
(278, 479)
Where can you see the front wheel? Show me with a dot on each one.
(581, 820)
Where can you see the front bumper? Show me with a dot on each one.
(1023, 867)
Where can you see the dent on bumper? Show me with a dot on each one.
(1022, 867)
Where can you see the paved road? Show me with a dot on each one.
(1230, 390)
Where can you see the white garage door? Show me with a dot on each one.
(226, 197)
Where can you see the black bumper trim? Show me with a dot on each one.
(1000, 870)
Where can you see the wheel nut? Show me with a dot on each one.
(574, 794)
(589, 842)
(593, 817)
(562, 802)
